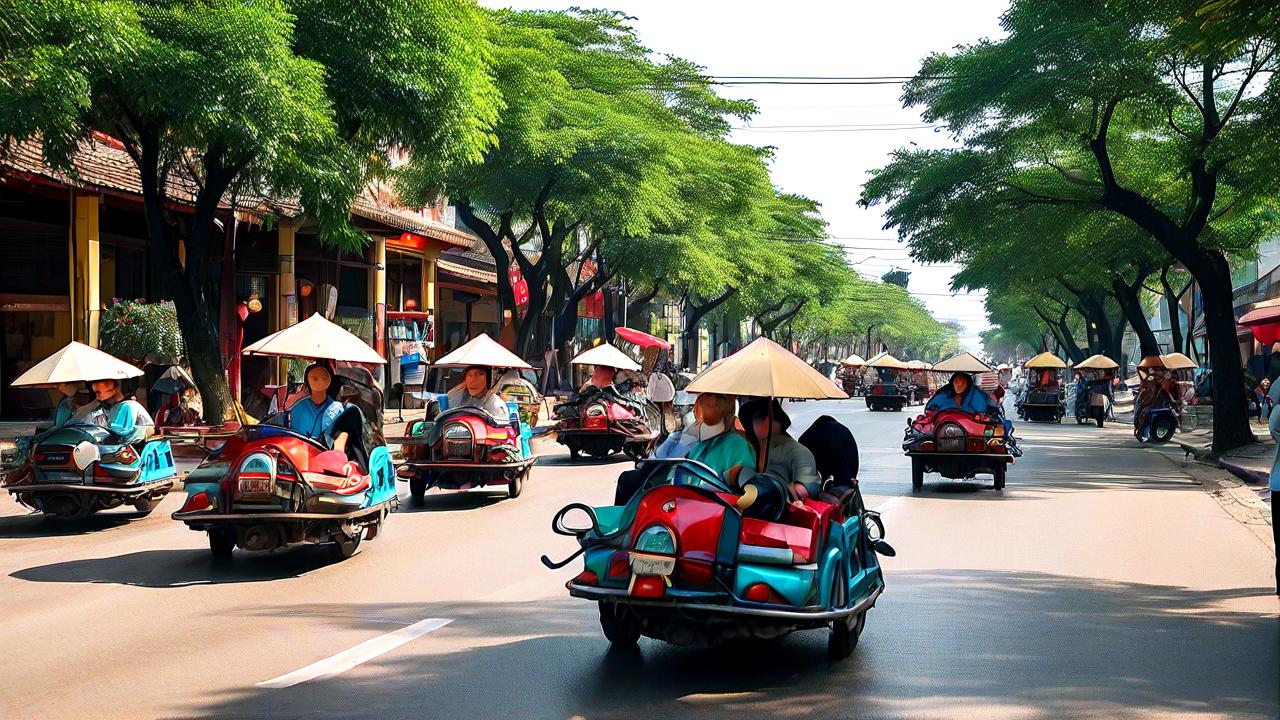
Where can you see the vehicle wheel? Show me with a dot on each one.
(1079, 420)
(619, 626)
(1162, 430)
(575, 453)
(997, 476)
(516, 485)
(1098, 418)
(222, 541)
(418, 491)
(145, 506)
(917, 473)
(844, 635)
(344, 547)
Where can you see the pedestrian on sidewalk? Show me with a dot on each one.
(1273, 482)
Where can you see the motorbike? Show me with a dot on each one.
(267, 486)
(680, 563)
(75, 470)
(1158, 424)
(1043, 403)
(958, 445)
(604, 421)
(1092, 403)
(466, 447)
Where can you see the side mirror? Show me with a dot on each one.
(883, 548)
(574, 519)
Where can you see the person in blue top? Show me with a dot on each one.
(68, 405)
(111, 410)
(315, 414)
(961, 393)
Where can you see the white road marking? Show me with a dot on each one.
(365, 651)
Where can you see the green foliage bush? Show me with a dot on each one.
(141, 331)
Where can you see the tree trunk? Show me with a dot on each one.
(197, 318)
(1131, 306)
(692, 317)
(637, 304)
(1230, 411)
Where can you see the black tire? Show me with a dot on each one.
(145, 506)
(997, 476)
(619, 626)
(1162, 430)
(1098, 419)
(344, 547)
(1079, 420)
(222, 541)
(516, 485)
(845, 631)
(418, 491)
(917, 473)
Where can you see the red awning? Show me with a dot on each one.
(643, 339)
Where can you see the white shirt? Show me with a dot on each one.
(490, 402)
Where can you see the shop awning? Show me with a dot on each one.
(1263, 322)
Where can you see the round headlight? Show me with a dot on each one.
(595, 410)
(656, 539)
(951, 430)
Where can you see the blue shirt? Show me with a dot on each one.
(315, 421)
(974, 400)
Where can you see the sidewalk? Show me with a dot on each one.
(1250, 465)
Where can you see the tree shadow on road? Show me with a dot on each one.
(180, 568)
(940, 644)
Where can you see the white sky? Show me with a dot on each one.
(825, 38)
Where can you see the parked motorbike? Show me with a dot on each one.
(603, 421)
(958, 445)
(268, 486)
(466, 447)
(78, 469)
(680, 563)
(1092, 403)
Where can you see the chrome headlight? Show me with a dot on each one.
(457, 441)
(951, 438)
(595, 410)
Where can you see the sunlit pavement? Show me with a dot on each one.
(1102, 582)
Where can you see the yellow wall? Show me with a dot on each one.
(87, 297)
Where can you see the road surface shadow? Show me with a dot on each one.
(41, 525)
(560, 460)
(180, 568)
(453, 500)
(940, 644)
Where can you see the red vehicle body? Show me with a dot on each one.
(463, 448)
(602, 426)
(957, 444)
(681, 564)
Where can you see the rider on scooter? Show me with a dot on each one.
(315, 414)
(110, 409)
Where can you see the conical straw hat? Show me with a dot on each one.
(963, 362)
(76, 362)
(765, 369)
(1097, 362)
(484, 351)
(316, 339)
(1178, 361)
(854, 360)
(605, 355)
(1045, 361)
(885, 360)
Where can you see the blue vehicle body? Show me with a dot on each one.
(79, 468)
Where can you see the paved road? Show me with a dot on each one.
(1103, 582)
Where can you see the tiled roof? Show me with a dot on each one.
(465, 271)
(103, 164)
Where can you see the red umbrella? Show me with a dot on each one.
(1265, 324)
(643, 339)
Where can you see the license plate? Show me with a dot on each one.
(255, 486)
(644, 564)
(56, 459)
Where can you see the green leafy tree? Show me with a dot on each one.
(289, 99)
(1119, 108)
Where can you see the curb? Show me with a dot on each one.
(1249, 475)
